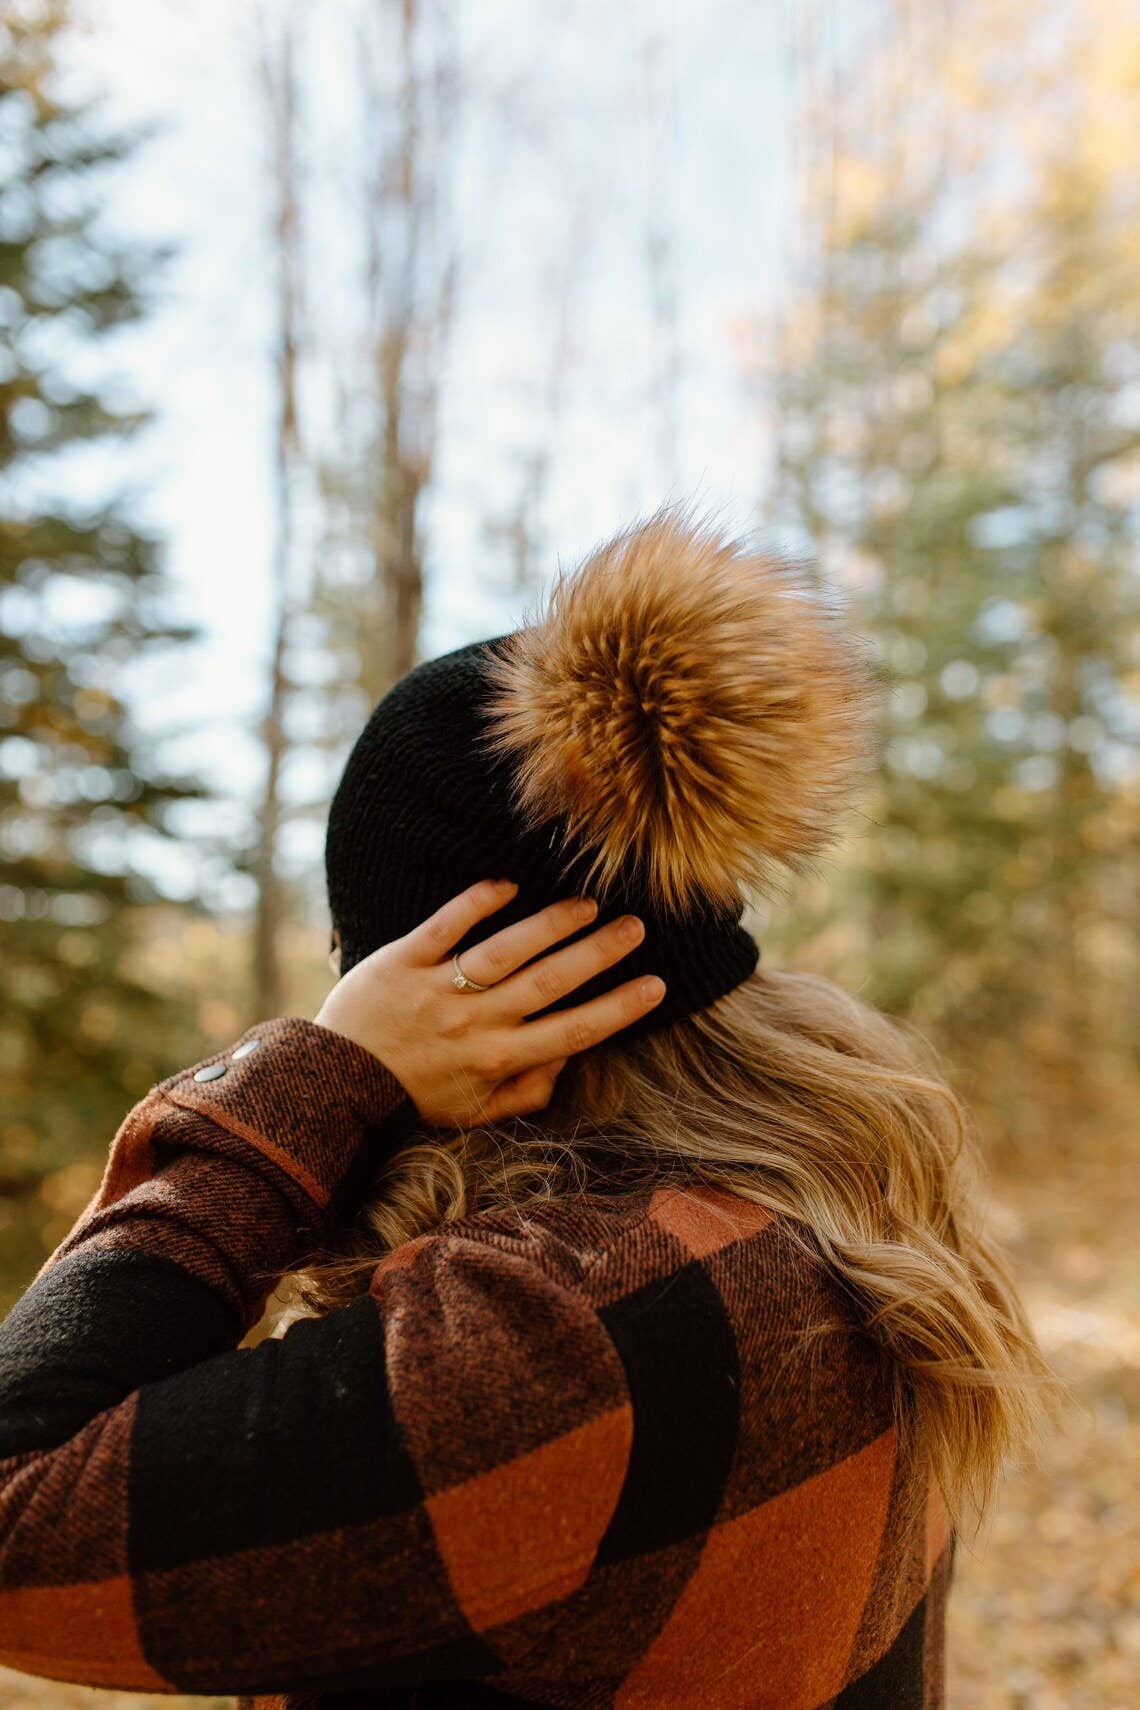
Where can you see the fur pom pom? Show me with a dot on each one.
(692, 709)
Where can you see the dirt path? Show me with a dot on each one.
(1046, 1615)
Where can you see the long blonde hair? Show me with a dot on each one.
(800, 1097)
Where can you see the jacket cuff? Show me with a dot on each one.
(305, 1097)
(309, 1111)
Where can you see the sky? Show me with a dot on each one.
(569, 132)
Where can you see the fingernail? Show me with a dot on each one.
(505, 885)
(585, 908)
(632, 928)
(652, 988)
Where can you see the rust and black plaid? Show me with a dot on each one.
(581, 1457)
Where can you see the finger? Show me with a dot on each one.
(562, 971)
(436, 936)
(573, 1030)
(489, 962)
(529, 1091)
(540, 1074)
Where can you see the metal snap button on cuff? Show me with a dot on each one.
(244, 1050)
(212, 1072)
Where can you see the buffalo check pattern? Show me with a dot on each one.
(585, 1455)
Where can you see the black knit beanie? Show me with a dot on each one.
(679, 721)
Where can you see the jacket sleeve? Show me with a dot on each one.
(375, 1497)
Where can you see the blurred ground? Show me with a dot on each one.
(1045, 1614)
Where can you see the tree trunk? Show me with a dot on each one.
(279, 81)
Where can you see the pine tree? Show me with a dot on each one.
(956, 440)
(81, 1035)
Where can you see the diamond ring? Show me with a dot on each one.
(461, 982)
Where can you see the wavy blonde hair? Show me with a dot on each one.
(800, 1097)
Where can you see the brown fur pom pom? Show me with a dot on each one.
(690, 706)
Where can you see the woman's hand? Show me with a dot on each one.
(468, 1057)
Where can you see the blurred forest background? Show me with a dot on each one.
(906, 316)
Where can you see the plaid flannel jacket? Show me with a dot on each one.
(579, 1457)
